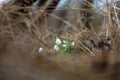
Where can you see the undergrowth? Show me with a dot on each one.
(32, 32)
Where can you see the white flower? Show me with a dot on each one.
(40, 50)
(64, 45)
(72, 44)
(56, 48)
(64, 41)
(58, 41)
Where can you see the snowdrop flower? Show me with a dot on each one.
(40, 50)
(56, 48)
(72, 44)
(64, 41)
(58, 41)
(64, 45)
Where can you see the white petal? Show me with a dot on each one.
(58, 41)
(64, 41)
(56, 48)
(64, 45)
(40, 50)
(72, 44)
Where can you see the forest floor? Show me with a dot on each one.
(20, 58)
